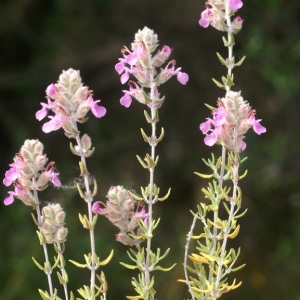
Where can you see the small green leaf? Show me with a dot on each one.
(206, 176)
(159, 268)
(107, 260)
(218, 84)
(131, 267)
(239, 63)
(37, 264)
(78, 264)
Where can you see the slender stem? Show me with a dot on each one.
(150, 198)
(88, 200)
(221, 178)
(47, 270)
(62, 269)
(187, 245)
(216, 212)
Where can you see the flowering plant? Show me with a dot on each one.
(230, 121)
(145, 66)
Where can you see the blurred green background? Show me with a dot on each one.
(41, 38)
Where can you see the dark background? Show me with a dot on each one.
(41, 38)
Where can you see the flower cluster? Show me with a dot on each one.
(71, 102)
(122, 210)
(231, 120)
(216, 13)
(52, 223)
(143, 64)
(29, 172)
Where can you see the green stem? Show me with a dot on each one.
(62, 269)
(45, 249)
(88, 199)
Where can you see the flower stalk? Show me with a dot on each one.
(142, 62)
(232, 118)
(69, 100)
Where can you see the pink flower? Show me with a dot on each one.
(53, 177)
(144, 62)
(51, 90)
(126, 99)
(55, 123)
(11, 175)
(235, 4)
(42, 113)
(10, 199)
(257, 127)
(98, 111)
(206, 18)
(18, 192)
(97, 209)
(230, 122)
(211, 139)
(183, 78)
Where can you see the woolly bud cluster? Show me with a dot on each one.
(231, 120)
(52, 224)
(216, 13)
(70, 101)
(29, 172)
(142, 63)
(122, 210)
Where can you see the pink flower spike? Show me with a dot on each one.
(183, 78)
(126, 100)
(10, 199)
(235, 4)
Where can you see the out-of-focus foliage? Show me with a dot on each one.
(40, 38)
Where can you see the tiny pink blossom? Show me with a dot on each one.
(124, 77)
(120, 67)
(205, 126)
(126, 99)
(97, 209)
(183, 78)
(97, 110)
(42, 113)
(258, 128)
(53, 177)
(11, 175)
(219, 116)
(206, 17)
(235, 4)
(55, 123)
(51, 90)
(211, 139)
(10, 199)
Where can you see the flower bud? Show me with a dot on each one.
(52, 223)
(61, 235)
(146, 37)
